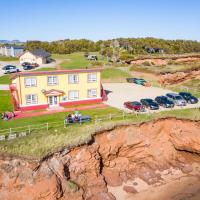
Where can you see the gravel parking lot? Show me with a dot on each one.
(118, 93)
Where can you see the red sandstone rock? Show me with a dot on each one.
(116, 156)
(129, 189)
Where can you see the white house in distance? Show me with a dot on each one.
(37, 56)
(11, 51)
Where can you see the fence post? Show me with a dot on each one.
(29, 129)
(64, 124)
(96, 119)
(110, 116)
(10, 130)
(47, 126)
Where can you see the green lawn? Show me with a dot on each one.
(5, 58)
(41, 142)
(114, 75)
(5, 102)
(44, 69)
(192, 85)
(5, 79)
(77, 61)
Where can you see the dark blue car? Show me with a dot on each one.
(189, 97)
(150, 103)
(164, 101)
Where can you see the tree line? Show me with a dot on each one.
(121, 47)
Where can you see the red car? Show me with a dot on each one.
(134, 105)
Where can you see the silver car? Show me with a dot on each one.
(10, 69)
(177, 99)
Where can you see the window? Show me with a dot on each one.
(30, 82)
(92, 93)
(73, 95)
(73, 78)
(52, 80)
(92, 78)
(31, 99)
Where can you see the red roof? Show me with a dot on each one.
(53, 91)
(53, 72)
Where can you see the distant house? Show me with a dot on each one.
(2, 51)
(154, 50)
(11, 51)
(37, 56)
(16, 51)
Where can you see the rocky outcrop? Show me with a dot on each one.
(178, 77)
(164, 59)
(111, 158)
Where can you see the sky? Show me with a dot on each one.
(50, 20)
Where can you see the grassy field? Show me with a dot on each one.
(77, 61)
(41, 142)
(193, 87)
(5, 102)
(154, 69)
(114, 75)
(44, 69)
(5, 79)
(5, 58)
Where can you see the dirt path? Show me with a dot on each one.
(147, 76)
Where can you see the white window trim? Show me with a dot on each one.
(31, 85)
(89, 92)
(52, 83)
(73, 82)
(73, 98)
(92, 79)
(31, 99)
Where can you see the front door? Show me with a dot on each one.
(53, 101)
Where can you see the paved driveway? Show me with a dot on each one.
(16, 63)
(118, 93)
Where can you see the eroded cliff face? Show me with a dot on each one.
(178, 77)
(111, 159)
(165, 60)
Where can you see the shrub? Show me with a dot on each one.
(73, 186)
(126, 56)
(171, 62)
(146, 63)
(97, 63)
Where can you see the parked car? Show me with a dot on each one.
(177, 99)
(189, 97)
(92, 57)
(164, 101)
(28, 67)
(25, 63)
(77, 118)
(138, 81)
(30, 64)
(150, 103)
(134, 105)
(10, 69)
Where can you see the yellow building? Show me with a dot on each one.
(37, 56)
(40, 90)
